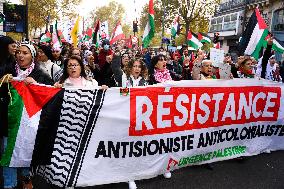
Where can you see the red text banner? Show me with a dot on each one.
(165, 110)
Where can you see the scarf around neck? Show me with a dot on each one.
(162, 76)
(24, 73)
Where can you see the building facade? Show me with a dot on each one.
(232, 16)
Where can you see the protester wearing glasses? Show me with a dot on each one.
(74, 75)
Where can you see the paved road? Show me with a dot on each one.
(265, 171)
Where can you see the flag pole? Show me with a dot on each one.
(27, 21)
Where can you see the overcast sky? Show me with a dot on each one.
(130, 5)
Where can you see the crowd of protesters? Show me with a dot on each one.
(112, 66)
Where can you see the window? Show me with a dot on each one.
(227, 18)
(213, 21)
(220, 20)
(278, 20)
(234, 17)
(228, 23)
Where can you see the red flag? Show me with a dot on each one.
(117, 33)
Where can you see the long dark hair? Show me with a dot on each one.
(65, 73)
(155, 60)
(7, 60)
(144, 70)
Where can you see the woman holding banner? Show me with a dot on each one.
(74, 75)
(28, 71)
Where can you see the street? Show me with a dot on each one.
(263, 171)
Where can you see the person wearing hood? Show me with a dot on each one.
(45, 59)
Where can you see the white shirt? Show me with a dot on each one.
(47, 66)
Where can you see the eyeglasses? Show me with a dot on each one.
(73, 66)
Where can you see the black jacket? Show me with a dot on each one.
(6, 67)
(40, 76)
(266, 55)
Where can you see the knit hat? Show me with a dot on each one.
(30, 47)
(47, 50)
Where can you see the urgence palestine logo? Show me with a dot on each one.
(171, 164)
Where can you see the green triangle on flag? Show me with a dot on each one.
(24, 113)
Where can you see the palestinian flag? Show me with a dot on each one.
(88, 34)
(96, 36)
(117, 34)
(175, 27)
(61, 36)
(56, 42)
(24, 114)
(254, 35)
(46, 37)
(149, 31)
(192, 40)
(277, 45)
(203, 38)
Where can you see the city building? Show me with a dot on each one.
(231, 17)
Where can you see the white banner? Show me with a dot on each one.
(217, 56)
(161, 128)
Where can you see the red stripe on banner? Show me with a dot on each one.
(34, 96)
(260, 20)
(163, 110)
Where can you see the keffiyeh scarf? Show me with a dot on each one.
(24, 73)
(162, 76)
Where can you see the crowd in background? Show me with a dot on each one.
(113, 66)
